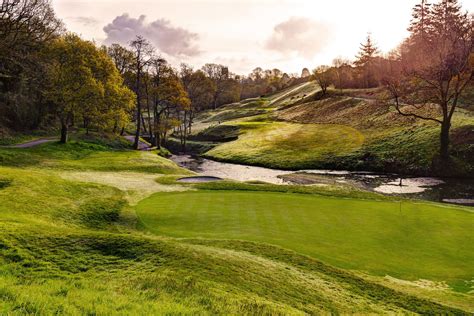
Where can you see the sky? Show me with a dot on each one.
(244, 34)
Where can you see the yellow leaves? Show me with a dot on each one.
(171, 90)
(87, 83)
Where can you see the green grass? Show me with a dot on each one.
(59, 237)
(84, 155)
(71, 241)
(422, 241)
(8, 138)
(217, 133)
(69, 244)
(288, 145)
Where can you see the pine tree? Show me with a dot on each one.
(365, 61)
(448, 19)
(367, 52)
(420, 22)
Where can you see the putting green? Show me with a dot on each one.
(420, 241)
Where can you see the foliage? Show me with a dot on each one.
(26, 29)
(324, 77)
(227, 88)
(366, 62)
(85, 84)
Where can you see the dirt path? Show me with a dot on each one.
(33, 143)
(141, 145)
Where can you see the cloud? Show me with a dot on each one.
(299, 35)
(84, 20)
(174, 41)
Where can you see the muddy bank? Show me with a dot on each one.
(449, 190)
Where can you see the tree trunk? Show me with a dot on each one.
(137, 133)
(444, 141)
(139, 108)
(64, 132)
(215, 103)
(86, 126)
(157, 140)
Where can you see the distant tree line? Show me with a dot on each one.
(367, 70)
(262, 82)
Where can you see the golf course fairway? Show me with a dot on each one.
(415, 241)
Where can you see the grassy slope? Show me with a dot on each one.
(58, 237)
(380, 139)
(274, 144)
(86, 155)
(413, 243)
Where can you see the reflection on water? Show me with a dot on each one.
(460, 191)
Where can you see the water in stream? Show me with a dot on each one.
(459, 191)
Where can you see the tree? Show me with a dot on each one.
(365, 61)
(444, 71)
(123, 58)
(161, 91)
(200, 88)
(323, 76)
(143, 52)
(257, 74)
(85, 84)
(305, 73)
(26, 29)
(339, 65)
(420, 24)
(220, 75)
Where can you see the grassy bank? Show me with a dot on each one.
(287, 145)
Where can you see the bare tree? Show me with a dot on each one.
(434, 69)
(338, 64)
(322, 75)
(143, 52)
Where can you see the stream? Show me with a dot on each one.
(447, 190)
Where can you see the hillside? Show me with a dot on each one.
(71, 215)
(352, 129)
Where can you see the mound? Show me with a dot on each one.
(288, 145)
(217, 133)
